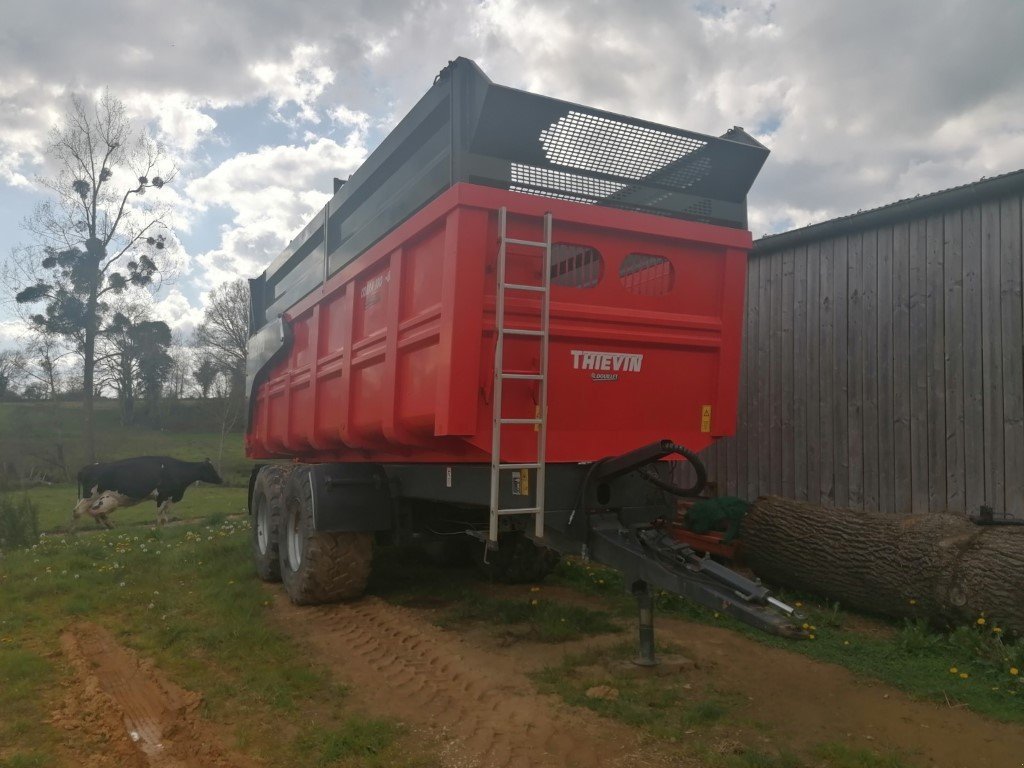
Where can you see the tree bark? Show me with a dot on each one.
(87, 394)
(942, 568)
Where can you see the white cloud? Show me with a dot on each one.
(300, 80)
(180, 120)
(12, 331)
(272, 194)
(861, 103)
(178, 312)
(26, 115)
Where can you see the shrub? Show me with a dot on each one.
(19, 522)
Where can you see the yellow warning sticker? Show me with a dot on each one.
(705, 418)
(524, 482)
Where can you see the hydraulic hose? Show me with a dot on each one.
(698, 466)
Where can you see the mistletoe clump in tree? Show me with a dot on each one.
(96, 237)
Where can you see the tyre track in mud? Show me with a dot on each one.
(126, 705)
(484, 714)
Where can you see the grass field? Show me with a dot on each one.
(972, 665)
(34, 437)
(185, 597)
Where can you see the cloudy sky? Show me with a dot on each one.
(262, 103)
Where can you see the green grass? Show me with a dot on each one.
(55, 503)
(829, 755)
(909, 657)
(185, 597)
(541, 620)
(26, 760)
(406, 576)
(673, 710)
(660, 705)
(359, 742)
(34, 435)
(837, 755)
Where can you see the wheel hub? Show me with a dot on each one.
(293, 540)
(262, 533)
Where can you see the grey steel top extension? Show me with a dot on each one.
(468, 129)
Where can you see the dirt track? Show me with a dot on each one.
(128, 706)
(474, 696)
(481, 711)
(468, 696)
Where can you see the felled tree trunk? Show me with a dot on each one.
(939, 567)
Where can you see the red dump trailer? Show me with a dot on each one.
(501, 328)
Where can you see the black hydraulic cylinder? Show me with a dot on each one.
(638, 457)
(654, 558)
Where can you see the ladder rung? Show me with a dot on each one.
(520, 511)
(522, 287)
(522, 421)
(528, 243)
(523, 376)
(521, 332)
(534, 465)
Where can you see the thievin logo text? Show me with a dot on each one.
(606, 366)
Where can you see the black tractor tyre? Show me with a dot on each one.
(266, 512)
(517, 560)
(319, 567)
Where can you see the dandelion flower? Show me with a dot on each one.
(1014, 671)
(798, 604)
(806, 626)
(535, 589)
(997, 631)
(912, 601)
(533, 602)
(953, 670)
(981, 621)
(810, 637)
(964, 675)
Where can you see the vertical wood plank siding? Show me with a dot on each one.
(883, 368)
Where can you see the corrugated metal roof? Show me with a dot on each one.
(901, 210)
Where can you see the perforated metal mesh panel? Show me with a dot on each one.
(575, 266)
(561, 184)
(647, 275)
(594, 143)
(468, 129)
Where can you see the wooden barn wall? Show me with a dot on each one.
(883, 369)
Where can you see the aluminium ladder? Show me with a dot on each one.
(539, 422)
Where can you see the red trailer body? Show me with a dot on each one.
(392, 358)
(495, 333)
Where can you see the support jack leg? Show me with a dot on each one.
(645, 610)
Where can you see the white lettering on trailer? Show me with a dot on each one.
(584, 360)
(373, 285)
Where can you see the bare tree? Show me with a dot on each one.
(12, 370)
(96, 236)
(45, 365)
(133, 357)
(181, 368)
(205, 375)
(225, 329)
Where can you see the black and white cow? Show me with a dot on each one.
(102, 488)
